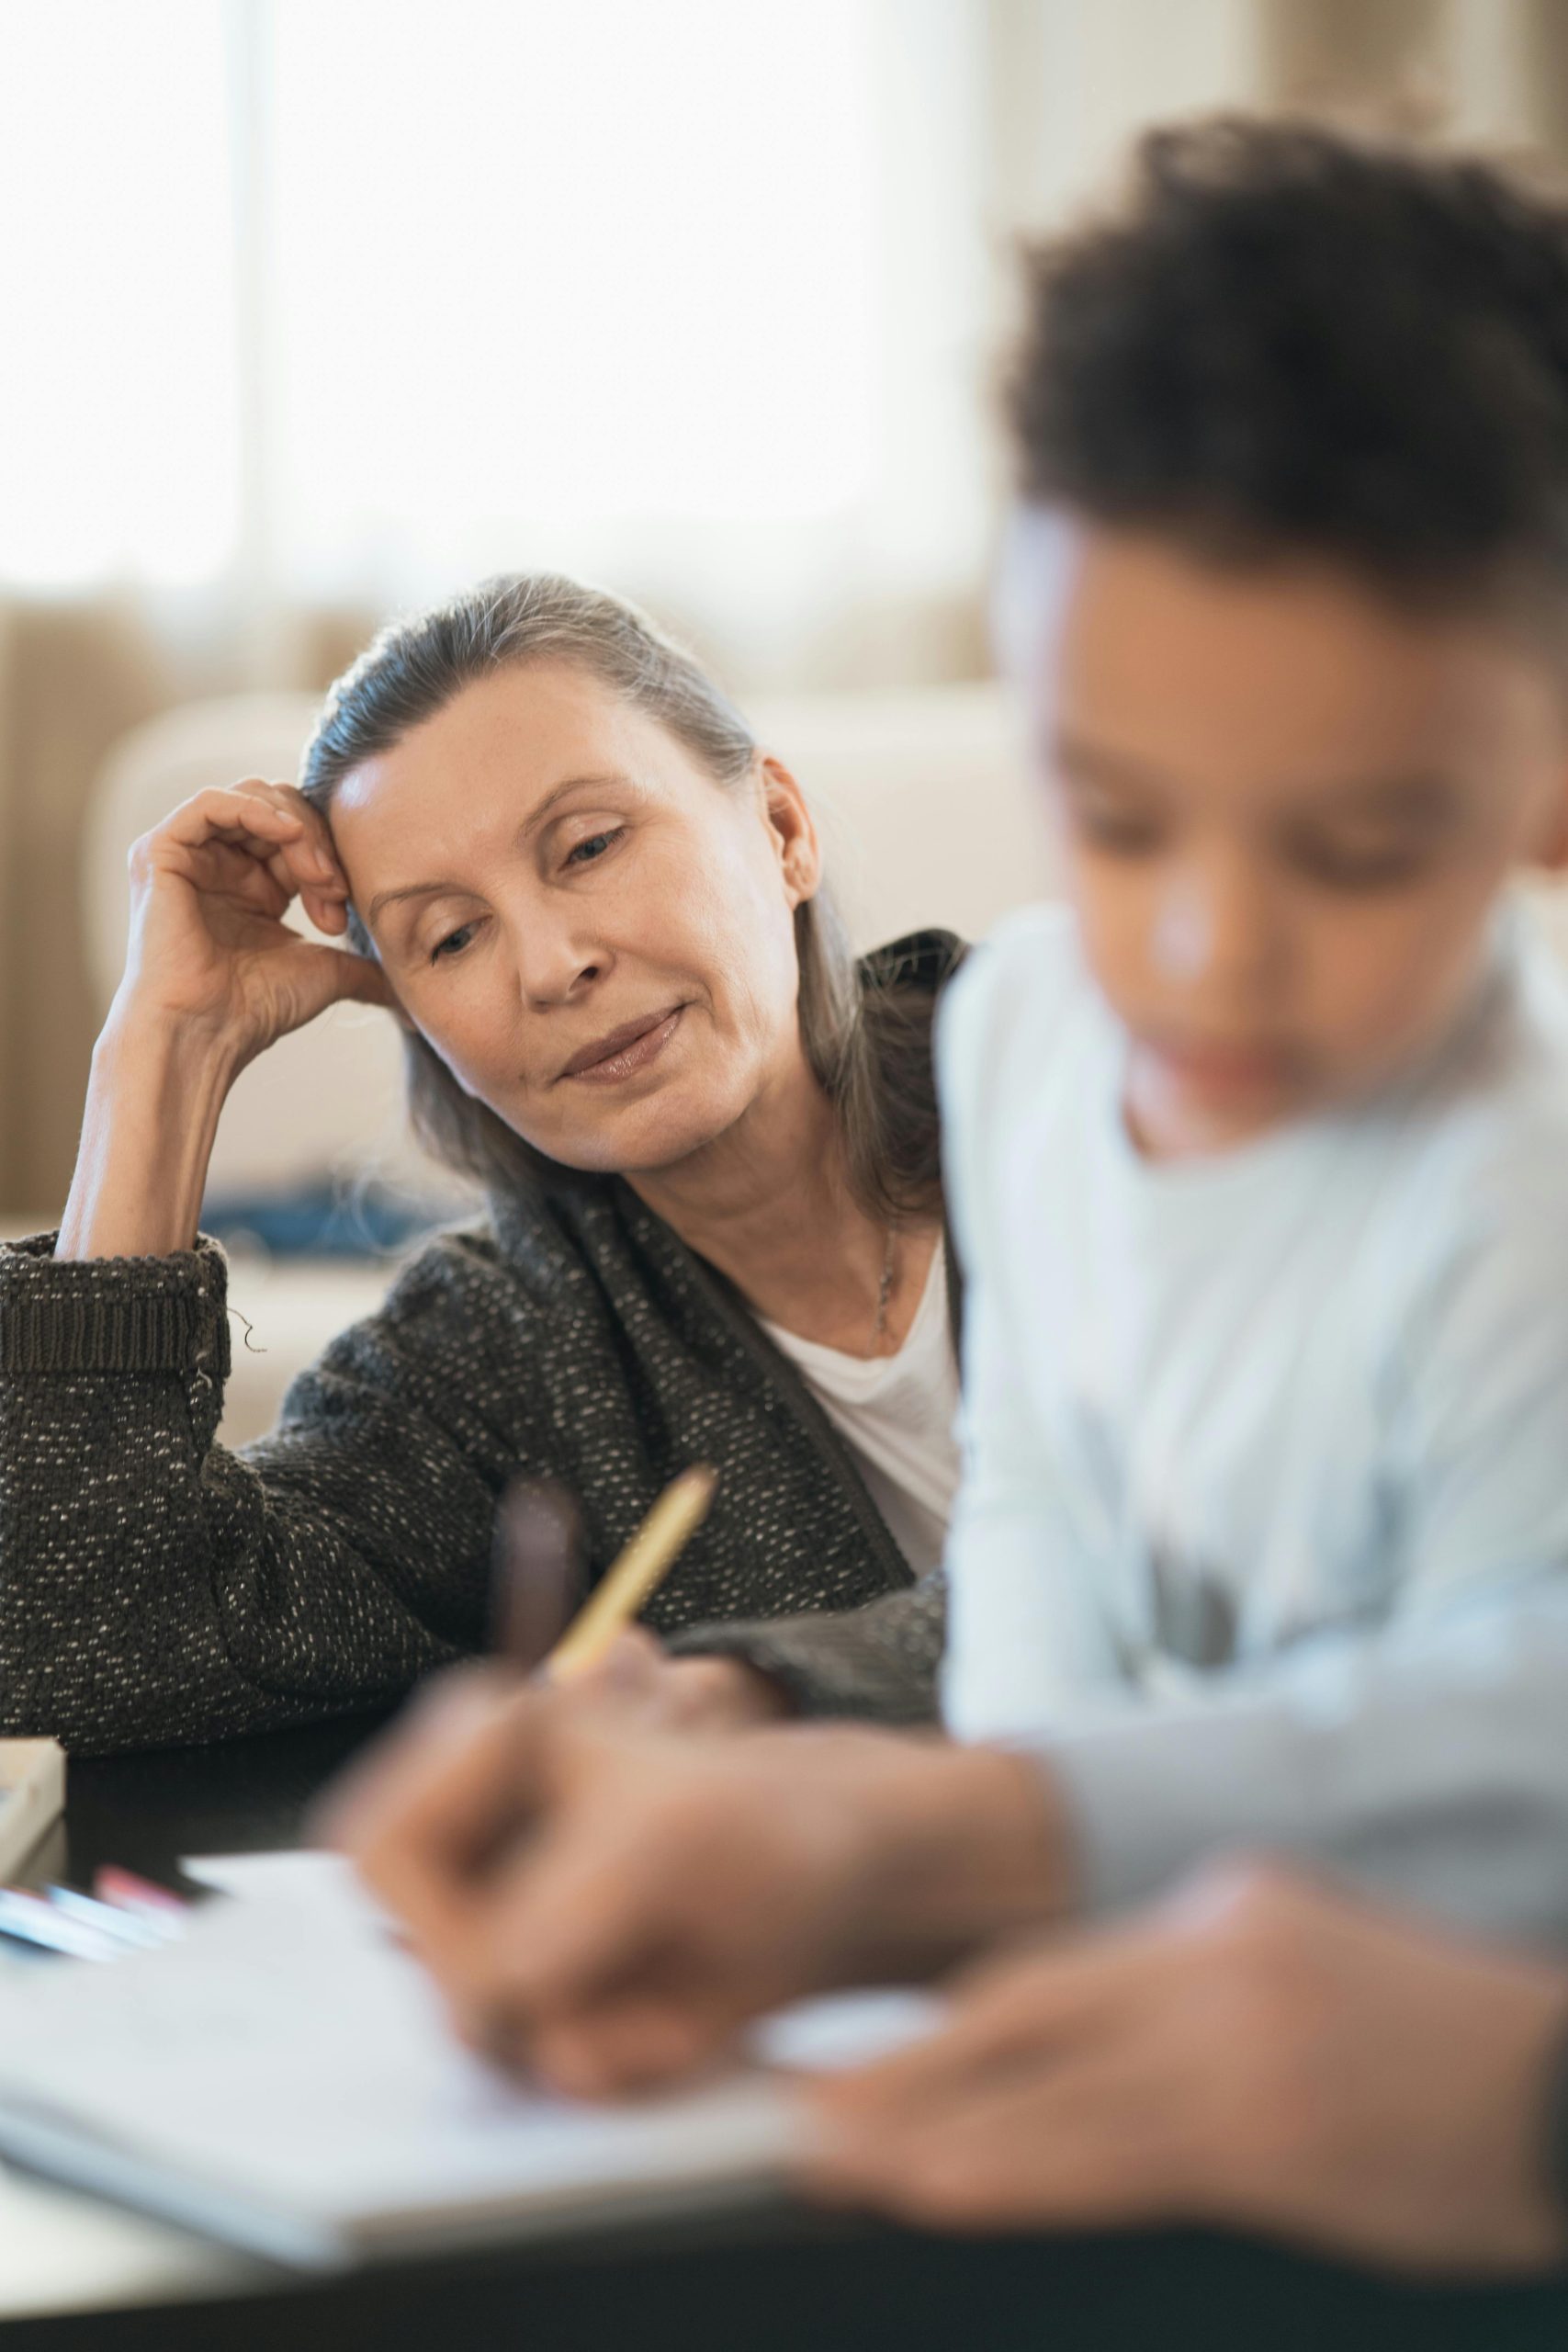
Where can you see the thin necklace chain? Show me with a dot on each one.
(883, 1291)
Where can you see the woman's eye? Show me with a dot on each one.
(453, 945)
(586, 851)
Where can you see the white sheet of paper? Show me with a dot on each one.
(291, 2065)
(300, 1872)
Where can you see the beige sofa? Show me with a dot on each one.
(928, 817)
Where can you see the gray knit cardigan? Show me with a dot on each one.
(157, 1588)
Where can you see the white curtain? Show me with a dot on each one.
(352, 300)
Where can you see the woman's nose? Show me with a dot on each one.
(1215, 928)
(555, 960)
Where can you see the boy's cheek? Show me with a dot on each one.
(1116, 910)
(1383, 987)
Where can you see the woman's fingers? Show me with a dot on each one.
(345, 976)
(211, 888)
(275, 826)
(312, 862)
(305, 862)
(361, 979)
(249, 812)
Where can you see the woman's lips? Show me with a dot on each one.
(620, 1056)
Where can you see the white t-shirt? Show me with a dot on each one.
(1222, 1412)
(898, 1415)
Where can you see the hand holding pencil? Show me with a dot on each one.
(463, 1769)
(608, 1899)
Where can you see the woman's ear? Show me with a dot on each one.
(794, 831)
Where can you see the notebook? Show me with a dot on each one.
(284, 2079)
(32, 1795)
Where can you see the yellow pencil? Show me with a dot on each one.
(637, 1574)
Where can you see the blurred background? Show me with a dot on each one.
(316, 309)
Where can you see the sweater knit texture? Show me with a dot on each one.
(157, 1588)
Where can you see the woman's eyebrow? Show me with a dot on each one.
(558, 792)
(385, 899)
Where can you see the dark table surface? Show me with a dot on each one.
(774, 2280)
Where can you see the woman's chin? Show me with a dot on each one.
(639, 1138)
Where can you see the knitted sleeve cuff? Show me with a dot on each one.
(879, 1663)
(113, 1313)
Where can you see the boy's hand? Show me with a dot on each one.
(1259, 2052)
(609, 1903)
(457, 1778)
(665, 1693)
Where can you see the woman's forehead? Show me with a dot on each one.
(516, 727)
(492, 765)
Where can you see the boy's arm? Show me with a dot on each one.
(1428, 1755)
(1429, 1760)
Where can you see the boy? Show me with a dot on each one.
(1259, 1154)
(1259, 1160)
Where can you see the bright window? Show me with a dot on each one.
(118, 405)
(363, 297)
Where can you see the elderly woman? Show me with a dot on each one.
(710, 1148)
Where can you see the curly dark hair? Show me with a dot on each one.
(1291, 340)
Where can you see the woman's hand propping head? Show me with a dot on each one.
(210, 951)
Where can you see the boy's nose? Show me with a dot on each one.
(1213, 926)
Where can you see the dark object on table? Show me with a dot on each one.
(325, 1220)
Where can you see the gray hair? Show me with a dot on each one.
(852, 1034)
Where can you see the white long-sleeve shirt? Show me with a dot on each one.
(1263, 1535)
